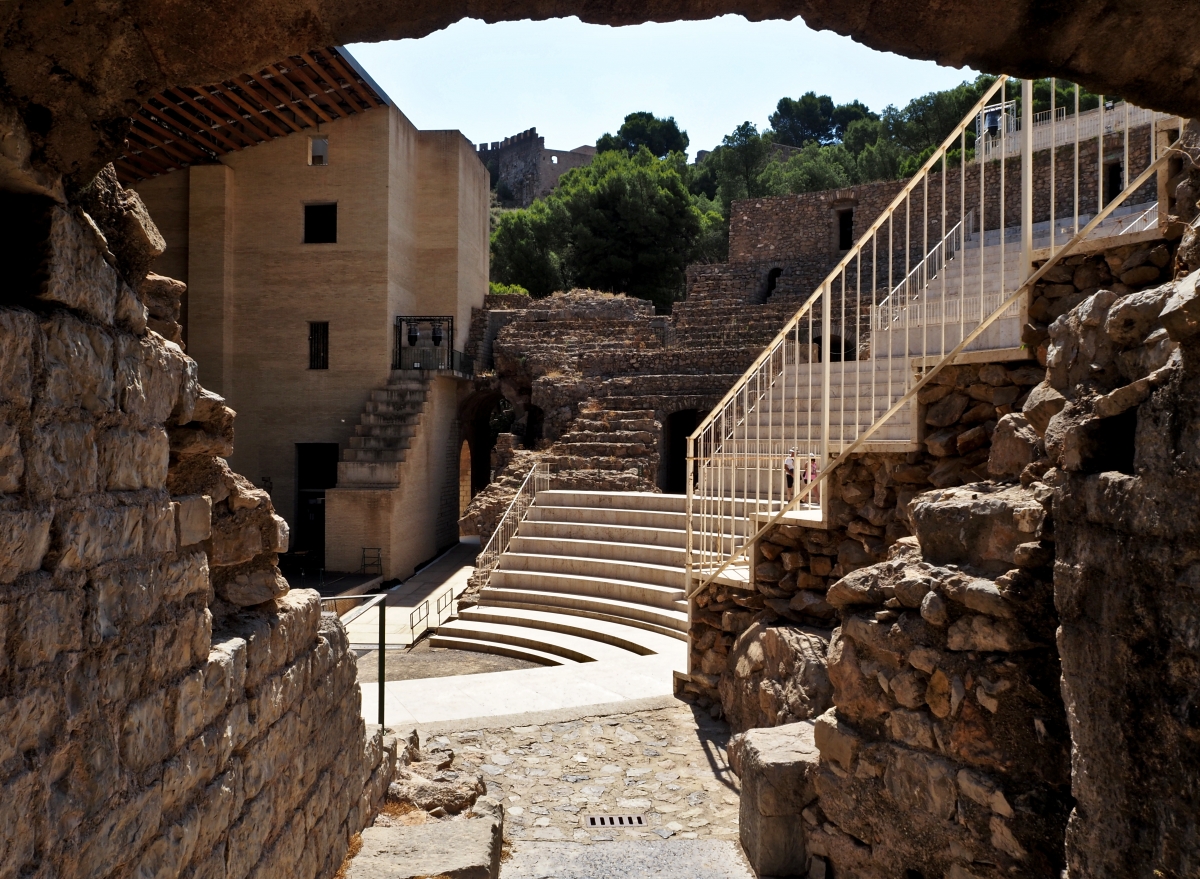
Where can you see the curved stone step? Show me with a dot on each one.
(593, 568)
(641, 549)
(642, 642)
(622, 590)
(475, 646)
(568, 646)
(665, 621)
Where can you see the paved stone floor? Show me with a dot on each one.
(422, 661)
(682, 859)
(668, 765)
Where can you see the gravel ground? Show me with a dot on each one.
(422, 661)
(667, 765)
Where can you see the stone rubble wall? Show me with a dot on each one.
(169, 708)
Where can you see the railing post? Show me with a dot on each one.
(382, 653)
(1027, 179)
(826, 357)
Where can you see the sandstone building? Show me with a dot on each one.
(522, 169)
(312, 236)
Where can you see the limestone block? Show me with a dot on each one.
(777, 768)
(77, 274)
(145, 735)
(193, 519)
(17, 832)
(189, 706)
(985, 634)
(185, 575)
(124, 828)
(467, 849)
(249, 588)
(134, 459)
(18, 329)
(12, 462)
(79, 365)
(235, 545)
(64, 459)
(24, 540)
(1014, 446)
(149, 378)
(1181, 314)
(27, 721)
(921, 781)
(87, 537)
(278, 534)
(51, 623)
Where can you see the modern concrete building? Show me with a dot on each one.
(332, 254)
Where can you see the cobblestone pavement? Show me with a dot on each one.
(668, 765)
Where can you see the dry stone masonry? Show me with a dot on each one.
(169, 708)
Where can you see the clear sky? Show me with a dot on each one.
(575, 81)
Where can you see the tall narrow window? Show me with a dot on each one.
(318, 151)
(320, 223)
(846, 229)
(318, 345)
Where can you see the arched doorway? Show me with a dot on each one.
(676, 430)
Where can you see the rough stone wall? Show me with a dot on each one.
(169, 708)
(1118, 413)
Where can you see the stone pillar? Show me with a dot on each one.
(210, 275)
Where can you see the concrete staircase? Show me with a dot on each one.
(590, 576)
(388, 424)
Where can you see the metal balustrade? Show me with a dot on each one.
(537, 480)
(945, 269)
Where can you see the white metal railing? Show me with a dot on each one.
(537, 480)
(844, 372)
(1058, 128)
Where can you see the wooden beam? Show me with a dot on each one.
(171, 149)
(258, 122)
(168, 140)
(222, 118)
(144, 156)
(188, 117)
(317, 92)
(360, 88)
(283, 98)
(330, 77)
(279, 125)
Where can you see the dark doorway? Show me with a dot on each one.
(1114, 181)
(676, 431)
(846, 229)
(772, 282)
(316, 471)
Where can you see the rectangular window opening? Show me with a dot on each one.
(320, 223)
(846, 229)
(318, 345)
(318, 151)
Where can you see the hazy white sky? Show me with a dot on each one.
(575, 81)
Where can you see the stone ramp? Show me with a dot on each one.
(671, 859)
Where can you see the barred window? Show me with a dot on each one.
(318, 345)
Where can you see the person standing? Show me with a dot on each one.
(789, 475)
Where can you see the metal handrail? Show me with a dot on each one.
(808, 488)
(537, 480)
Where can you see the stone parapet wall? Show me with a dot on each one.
(169, 708)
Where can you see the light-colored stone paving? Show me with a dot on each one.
(402, 626)
(682, 859)
(552, 688)
(668, 765)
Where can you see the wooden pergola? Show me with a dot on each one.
(188, 126)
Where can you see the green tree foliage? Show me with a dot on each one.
(660, 136)
(626, 224)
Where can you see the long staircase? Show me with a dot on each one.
(585, 574)
(588, 576)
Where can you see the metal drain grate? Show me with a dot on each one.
(614, 821)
